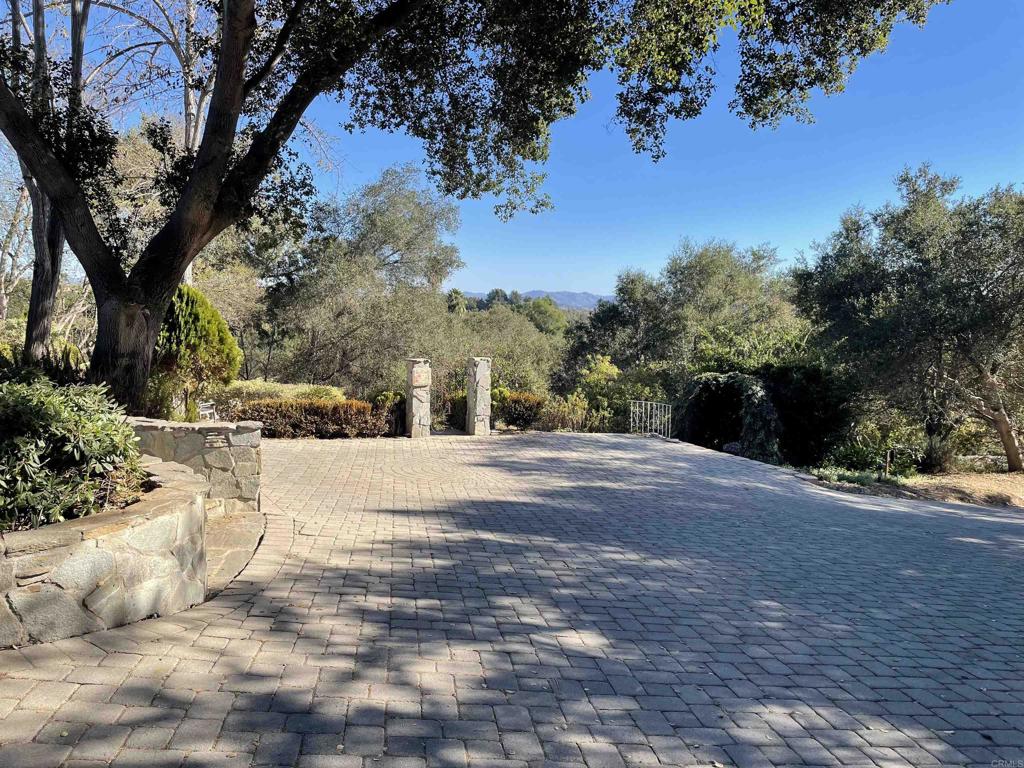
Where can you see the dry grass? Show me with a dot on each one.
(993, 489)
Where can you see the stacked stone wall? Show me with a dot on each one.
(109, 569)
(226, 454)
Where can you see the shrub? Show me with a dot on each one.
(454, 410)
(324, 419)
(194, 350)
(64, 452)
(319, 392)
(521, 409)
(722, 408)
(261, 389)
(564, 414)
(391, 407)
(814, 408)
(866, 448)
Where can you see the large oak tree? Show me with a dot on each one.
(478, 81)
(922, 299)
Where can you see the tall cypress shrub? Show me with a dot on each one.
(194, 350)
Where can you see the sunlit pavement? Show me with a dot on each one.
(557, 600)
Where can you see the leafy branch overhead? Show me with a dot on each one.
(479, 82)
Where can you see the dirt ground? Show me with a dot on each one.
(990, 489)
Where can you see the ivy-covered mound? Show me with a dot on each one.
(65, 451)
(734, 410)
(794, 413)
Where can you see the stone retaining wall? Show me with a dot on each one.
(226, 454)
(114, 568)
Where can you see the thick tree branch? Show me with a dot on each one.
(245, 178)
(221, 129)
(57, 182)
(278, 51)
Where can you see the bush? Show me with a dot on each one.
(324, 419)
(722, 408)
(520, 409)
(866, 448)
(564, 414)
(454, 411)
(814, 408)
(224, 397)
(64, 452)
(319, 392)
(194, 350)
(391, 407)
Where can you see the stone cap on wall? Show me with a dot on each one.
(175, 482)
(197, 426)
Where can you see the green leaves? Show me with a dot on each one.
(194, 350)
(64, 452)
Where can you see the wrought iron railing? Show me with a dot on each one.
(650, 418)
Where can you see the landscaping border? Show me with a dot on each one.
(108, 569)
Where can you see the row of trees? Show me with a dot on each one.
(912, 311)
(479, 82)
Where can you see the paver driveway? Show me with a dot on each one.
(550, 600)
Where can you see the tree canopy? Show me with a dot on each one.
(479, 82)
(922, 299)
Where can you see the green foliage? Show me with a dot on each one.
(324, 419)
(391, 406)
(607, 392)
(521, 410)
(258, 389)
(832, 474)
(64, 452)
(565, 414)
(453, 411)
(921, 300)
(713, 307)
(876, 436)
(194, 351)
(720, 409)
(814, 405)
(545, 315)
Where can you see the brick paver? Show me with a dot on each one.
(559, 601)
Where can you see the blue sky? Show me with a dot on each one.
(951, 94)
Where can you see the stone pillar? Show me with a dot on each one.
(417, 397)
(478, 396)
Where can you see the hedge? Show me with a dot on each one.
(520, 409)
(320, 418)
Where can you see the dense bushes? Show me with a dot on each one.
(194, 350)
(564, 414)
(797, 413)
(64, 452)
(724, 408)
(519, 409)
(230, 395)
(322, 418)
(814, 406)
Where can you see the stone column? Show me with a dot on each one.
(417, 397)
(478, 396)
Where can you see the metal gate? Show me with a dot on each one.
(650, 418)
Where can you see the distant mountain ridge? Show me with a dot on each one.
(564, 299)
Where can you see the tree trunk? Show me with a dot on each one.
(1009, 440)
(994, 412)
(125, 337)
(48, 244)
